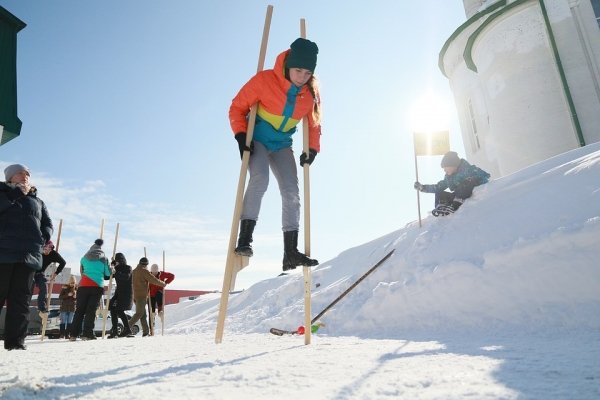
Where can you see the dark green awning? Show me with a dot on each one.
(9, 26)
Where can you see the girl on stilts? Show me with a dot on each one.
(284, 94)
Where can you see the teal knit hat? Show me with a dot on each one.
(303, 54)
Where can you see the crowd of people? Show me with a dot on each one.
(26, 252)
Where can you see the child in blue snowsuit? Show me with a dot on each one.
(461, 177)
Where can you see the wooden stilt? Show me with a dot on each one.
(306, 270)
(107, 295)
(50, 287)
(235, 263)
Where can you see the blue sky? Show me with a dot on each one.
(124, 107)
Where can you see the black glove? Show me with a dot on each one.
(241, 139)
(312, 153)
(418, 186)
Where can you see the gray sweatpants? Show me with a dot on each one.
(283, 165)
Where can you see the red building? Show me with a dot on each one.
(172, 295)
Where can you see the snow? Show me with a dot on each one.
(498, 301)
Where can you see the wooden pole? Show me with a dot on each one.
(164, 302)
(231, 256)
(306, 270)
(107, 296)
(50, 287)
(149, 305)
(417, 178)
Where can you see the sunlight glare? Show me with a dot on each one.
(429, 113)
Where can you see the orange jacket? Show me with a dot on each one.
(269, 89)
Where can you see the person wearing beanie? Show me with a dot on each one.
(26, 227)
(156, 293)
(283, 95)
(94, 271)
(141, 278)
(460, 178)
(122, 300)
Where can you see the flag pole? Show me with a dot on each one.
(417, 179)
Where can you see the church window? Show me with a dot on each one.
(474, 133)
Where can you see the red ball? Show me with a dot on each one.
(300, 330)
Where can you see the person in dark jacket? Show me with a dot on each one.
(67, 296)
(24, 228)
(122, 299)
(49, 256)
(461, 177)
(94, 271)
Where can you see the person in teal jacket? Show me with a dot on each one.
(461, 178)
(94, 271)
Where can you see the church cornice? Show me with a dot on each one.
(476, 17)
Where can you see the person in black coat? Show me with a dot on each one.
(25, 227)
(123, 297)
(49, 256)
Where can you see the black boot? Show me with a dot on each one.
(126, 332)
(246, 229)
(61, 334)
(114, 333)
(291, 256)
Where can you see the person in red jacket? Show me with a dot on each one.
(283, 96)
(156, 292)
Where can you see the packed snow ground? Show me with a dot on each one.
(498, 301)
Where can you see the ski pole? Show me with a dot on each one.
(341, 296)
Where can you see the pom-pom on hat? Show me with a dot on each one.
(12, 170)
(143, 261)
(450, 159)
(303, 54)
(99, 242)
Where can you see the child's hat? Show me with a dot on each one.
(450, 159)
(303, 54)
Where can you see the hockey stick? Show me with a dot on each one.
(278, 332)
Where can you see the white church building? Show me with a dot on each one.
(525, 75)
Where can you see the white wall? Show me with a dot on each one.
(516, 93)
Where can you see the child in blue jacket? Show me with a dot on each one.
(461, 177)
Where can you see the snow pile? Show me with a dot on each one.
(520, 254)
